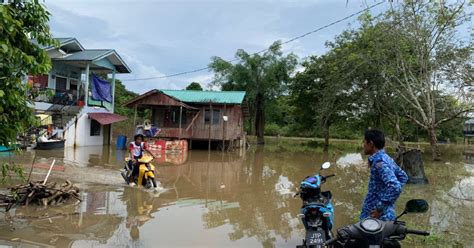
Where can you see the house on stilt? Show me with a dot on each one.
(199, 117)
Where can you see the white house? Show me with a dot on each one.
(62, 92)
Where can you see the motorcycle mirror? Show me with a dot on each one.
(325, 165)
(416, 206)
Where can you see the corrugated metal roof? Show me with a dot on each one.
(106, 118)
(195, 96)
(64, 40)
(88, 55)
(61, 41)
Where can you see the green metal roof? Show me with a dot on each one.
(195, 96)
(62, 41)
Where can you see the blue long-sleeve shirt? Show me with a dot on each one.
(385, 185)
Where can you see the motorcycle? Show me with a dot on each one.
(375, 233)
(317, 211)
(146, 172)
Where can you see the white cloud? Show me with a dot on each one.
(167, 37)
(204, 80)
(144, 71)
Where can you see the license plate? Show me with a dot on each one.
(315, 238)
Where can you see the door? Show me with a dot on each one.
(106, 134)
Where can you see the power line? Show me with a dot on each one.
(261, 51)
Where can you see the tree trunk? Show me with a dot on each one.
(325, 128)
(399, 132)
(259, 119)
(251, 126)
(434, 143)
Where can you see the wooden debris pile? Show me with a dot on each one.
(41, 194)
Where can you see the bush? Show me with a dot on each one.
(272, 129)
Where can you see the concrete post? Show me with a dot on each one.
(113, 91)
(86, 87)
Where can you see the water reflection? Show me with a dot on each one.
(213, 200)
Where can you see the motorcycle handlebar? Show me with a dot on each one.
(326, 177)
(416, 232)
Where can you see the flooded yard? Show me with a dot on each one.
(226, 200)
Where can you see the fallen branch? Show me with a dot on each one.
(40, 193)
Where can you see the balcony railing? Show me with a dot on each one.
(104, 104)
(52, 96)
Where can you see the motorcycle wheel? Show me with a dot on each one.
(150, 183)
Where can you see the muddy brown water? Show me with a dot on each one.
(224, 200)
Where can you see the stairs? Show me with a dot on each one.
(72, 120)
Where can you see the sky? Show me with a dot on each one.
(157, 38)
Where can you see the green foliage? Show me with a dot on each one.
(19, 22)
(273, 129)
(9, 169)
(379, 76)
(423, 63)
(262, 76)
(122, 96)
(194, 86)
(322, 93)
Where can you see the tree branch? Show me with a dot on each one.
(455, 115)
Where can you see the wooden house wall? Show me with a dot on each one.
(230, 130)
(158, 99)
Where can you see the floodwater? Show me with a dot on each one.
(241, 199)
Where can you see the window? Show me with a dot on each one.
(61, 83)
(171, 117)
(95, 128)
(216, 114)
(175, 116)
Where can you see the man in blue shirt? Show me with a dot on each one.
(386, 179)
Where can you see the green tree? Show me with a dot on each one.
(363, 55)
(122, 95)
(23, 26)
(322, 94)
(410, 67)
(19, 23)
(194, 86)
(430, 63)
(262, 76)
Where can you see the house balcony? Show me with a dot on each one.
(52, 96)
(66, 98)
(171, 132)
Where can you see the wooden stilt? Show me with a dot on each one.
(180, 118)
(210, 124)
(134, 120)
